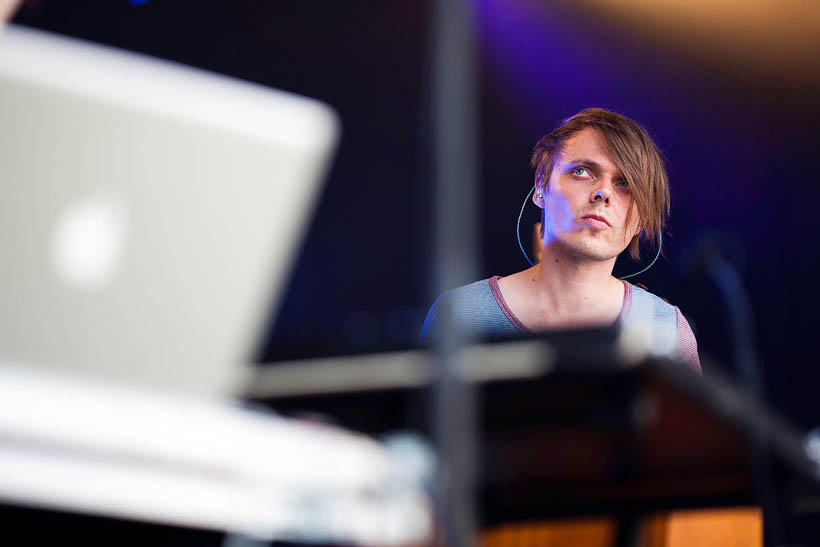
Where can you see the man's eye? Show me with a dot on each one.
(580, 171)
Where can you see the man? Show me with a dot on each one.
(602, 187)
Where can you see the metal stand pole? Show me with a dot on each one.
(456, 188)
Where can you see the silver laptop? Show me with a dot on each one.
(149, 212)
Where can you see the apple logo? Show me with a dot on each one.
(89, 240)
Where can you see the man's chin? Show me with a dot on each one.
(584, 249)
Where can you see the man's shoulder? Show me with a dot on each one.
(653, 315)
(473, 307)
(671, 330)
(475, 294)
(468, 302)
(641, 295)
(649, 307)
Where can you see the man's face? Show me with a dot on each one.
(587, 201)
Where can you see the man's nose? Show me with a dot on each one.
(601, 193)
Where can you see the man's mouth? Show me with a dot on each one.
(596, 221)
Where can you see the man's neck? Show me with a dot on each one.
(569, 281)
(564, 291)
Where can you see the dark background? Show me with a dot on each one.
(729, 95)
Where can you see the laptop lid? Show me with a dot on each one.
(149, 211)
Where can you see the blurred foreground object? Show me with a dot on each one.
(105, 449)
(581, 424)
(149, 216)
(150, 211)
